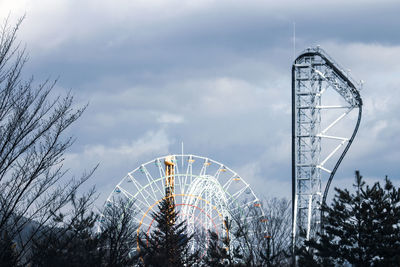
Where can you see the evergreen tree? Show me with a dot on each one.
(71, 240)
(361, 228)
(168, 244)
(221, 251)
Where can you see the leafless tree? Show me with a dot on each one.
(33, 183)
(119, 233)
(264, 235)
(277, 214)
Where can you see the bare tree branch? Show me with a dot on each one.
(32, 147)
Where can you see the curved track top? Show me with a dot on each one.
(316, 80)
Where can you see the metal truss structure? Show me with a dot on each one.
(323, 98)
(205, 193)
(206, 187)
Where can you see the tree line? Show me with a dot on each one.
(45, 222)
(43, 219)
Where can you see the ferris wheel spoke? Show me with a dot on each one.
(216, 175)
(125, 192)
(221, 168)
(238, 193)
(130, 197)
(140, 190)
(234, 177)
(176, 166)
(180, 180)
(139, 208)
(242, 205)
(161, 171)
(153, 181)
(150, 194)
(177, 173)
(150, 180)
(189, 172)
(138, 202)
(134, 181)
(204, 167)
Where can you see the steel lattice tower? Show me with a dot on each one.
(315, 77)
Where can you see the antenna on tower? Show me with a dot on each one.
(182, 155)
(294, 40)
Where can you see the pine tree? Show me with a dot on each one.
(361, 228)
(168, 244)
(221, 251)
(71, 240)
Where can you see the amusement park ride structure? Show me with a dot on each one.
(323, 98)
(170, 187)
(202, 191)
(206, 193)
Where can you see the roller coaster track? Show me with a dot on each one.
(314, 73)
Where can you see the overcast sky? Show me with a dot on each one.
(214, 74)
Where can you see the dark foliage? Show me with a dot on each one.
(8, 258)
(168, 244)
(76, 242)
(361, 228)
(118, 238)
(70, 241)
(223, 252)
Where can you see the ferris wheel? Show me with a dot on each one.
(205, 193)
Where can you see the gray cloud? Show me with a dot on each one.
(213, 74)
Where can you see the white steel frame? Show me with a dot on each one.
(313, 74)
